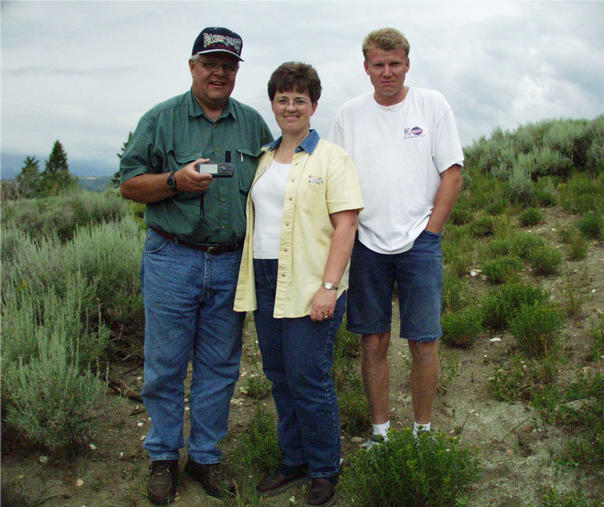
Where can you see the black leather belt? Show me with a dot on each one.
(211, 249)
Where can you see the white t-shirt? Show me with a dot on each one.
(399, 152)
(267, 196)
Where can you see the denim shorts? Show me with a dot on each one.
(418, 274)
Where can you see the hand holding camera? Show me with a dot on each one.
(219, 169)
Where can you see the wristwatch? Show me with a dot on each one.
(329, 286)
(171, 181)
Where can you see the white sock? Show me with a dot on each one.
(382, 429)
(417, 427)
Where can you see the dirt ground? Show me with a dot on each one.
(514, 447)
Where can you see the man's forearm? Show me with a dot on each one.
(446, 197)
(147, 188)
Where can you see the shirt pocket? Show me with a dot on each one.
(312, 195)
(245, 163)
(177, 160)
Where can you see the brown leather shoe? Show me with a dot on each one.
(215, 479)
(322, 492)
(277, 483)
(161, 485)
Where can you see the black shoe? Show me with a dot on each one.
(215, 479)
(277, 482)
(161, 485)
(322, 492)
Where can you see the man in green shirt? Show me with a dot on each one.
(191, 258)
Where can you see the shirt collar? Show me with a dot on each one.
(195, 110)
(308, 144)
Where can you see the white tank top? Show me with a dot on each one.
(267, 195)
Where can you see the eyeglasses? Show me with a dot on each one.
(297, 102)
(227, 68)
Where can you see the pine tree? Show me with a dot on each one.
(28, 180)
(115, 181)
(55, 178)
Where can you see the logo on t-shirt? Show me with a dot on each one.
(315, 180)
(409, 133)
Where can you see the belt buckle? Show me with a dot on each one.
(213, 250)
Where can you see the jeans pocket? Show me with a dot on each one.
(431, 234)
(154, 243)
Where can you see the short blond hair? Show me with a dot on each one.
(387, 39)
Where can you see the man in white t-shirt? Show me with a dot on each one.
(406, 148)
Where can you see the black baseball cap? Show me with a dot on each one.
(216, 39)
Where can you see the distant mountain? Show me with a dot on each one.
(94, 184)
(11, 164)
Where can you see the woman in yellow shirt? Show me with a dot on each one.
(302, 215)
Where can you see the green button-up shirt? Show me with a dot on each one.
(177, 132)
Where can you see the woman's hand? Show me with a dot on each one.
(323, 305)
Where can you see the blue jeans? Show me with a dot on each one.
(297, 355)
(418, 273)
(189, 315)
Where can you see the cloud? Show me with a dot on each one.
(84, 72)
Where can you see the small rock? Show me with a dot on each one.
(495, 339)
(79, 483)
(92, 447)
(356, 440)
(43, 459)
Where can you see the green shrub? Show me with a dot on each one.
(462, 328)
(552, 498)
(519, 378)
(354, 409)
(523, 243)
(576, 243)
(597, 334)
(29, 319)
(257, 387)
(259, 450)
(498, 247)
(521, 189)
(454, 292)
(434, 470)
(545, 192)
(545, 260)
(482, 227)
(62, 215)
(536, 327)
(592, 225)
(502, 269)
(582, 194)
(255, 455)
(502, 302)
(579, 408)
(107, 260)
(531, 216)
(460, 216)
(347, 343)
(497, 206)
(52, 398)
(458, 250)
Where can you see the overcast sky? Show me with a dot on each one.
(84, 72)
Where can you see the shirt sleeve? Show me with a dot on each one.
(138, 156)
(343, 191)
(447, 145)
(336, 134)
